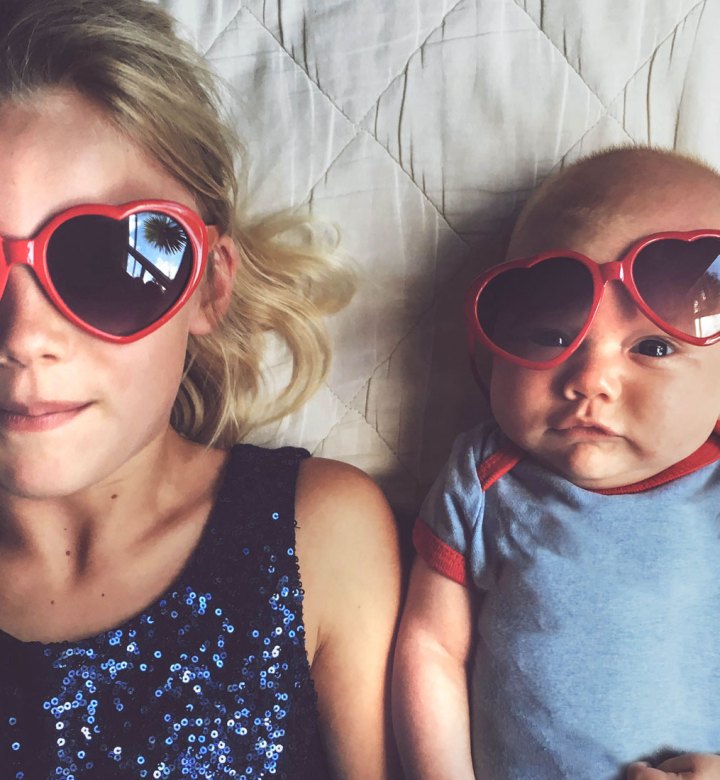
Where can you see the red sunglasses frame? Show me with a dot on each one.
(601, 273)
(32, 252)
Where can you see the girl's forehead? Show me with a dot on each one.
(61, 150)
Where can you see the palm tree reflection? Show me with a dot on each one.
(166, 235)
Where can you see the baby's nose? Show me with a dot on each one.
(592, 371)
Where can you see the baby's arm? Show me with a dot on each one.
(430, 684)
(689, 766)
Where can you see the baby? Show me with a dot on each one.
(563, 618)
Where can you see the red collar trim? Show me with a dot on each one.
(507, 457)
(707, 453)
(499, 463)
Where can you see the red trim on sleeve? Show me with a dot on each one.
(498, 464)
(704, 455)
(438, 555)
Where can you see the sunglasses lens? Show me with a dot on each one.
(680, 282)
(120, 276)
(536, 313)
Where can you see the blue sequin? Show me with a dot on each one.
(183, 689)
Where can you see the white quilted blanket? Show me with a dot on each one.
(420, 126)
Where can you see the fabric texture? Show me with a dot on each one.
(210, 681)
(596, 635)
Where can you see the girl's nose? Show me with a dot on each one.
(31, 328)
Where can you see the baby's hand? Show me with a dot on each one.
(689, 766)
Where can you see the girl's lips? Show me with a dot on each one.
(41, 416)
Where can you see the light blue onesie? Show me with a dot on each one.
(597, 640)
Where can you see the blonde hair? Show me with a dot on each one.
(126, 57)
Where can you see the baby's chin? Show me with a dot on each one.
(598, 465)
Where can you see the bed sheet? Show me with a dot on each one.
(420, 127)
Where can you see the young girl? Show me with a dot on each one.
(168, 606)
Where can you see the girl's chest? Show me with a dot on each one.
(194, 682)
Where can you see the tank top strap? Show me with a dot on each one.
(255, 506)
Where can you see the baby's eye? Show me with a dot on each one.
(547, 337)
(656, 348)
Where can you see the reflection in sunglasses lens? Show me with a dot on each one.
(120, 275)
(680, 282)
(536, 313)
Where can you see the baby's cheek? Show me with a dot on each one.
(518, 401)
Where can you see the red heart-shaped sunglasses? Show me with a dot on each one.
(535, 311)
(117, 272)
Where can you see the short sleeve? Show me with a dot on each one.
(451, 516)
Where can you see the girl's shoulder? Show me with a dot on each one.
(340, 510)
(324, 485)
(340, 514)
(347, 545)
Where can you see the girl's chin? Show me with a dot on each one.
(41, 475)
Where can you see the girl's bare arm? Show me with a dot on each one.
(350, 568)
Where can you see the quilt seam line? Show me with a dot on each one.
(604, 115)
(652, 54)
(422, 313)
(375, 106)
(206, 52)
(632, 75)
(403, 70)
(351, 410)
(300, 68)
(361, 131)
(357, 126)
(562, 54)
(309, 194)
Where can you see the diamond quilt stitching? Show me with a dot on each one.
(561, 52)
(408, 166)
(671, 34)
(316, 81)
(208, 50)
(301, 67)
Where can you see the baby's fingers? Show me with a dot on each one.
(700, 766)
(689, 766)
(642, 771)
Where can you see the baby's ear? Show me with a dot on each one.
(215, 290)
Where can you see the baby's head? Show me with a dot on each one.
(610, 384)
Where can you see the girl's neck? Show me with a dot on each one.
(68, 536)
(74, 566)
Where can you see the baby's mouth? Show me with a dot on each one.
(583, 428)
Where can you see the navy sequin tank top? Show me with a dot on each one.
(210, 681)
